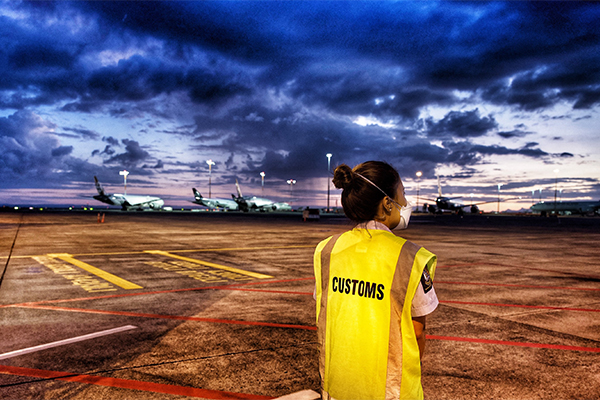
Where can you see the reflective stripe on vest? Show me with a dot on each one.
(365, 280)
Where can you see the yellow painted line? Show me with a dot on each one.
(85, 254)
(96, 271)
(249, 248)
(180, 251)
(209, 264)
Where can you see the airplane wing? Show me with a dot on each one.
(491, 201)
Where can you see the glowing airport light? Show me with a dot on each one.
(328, 155)
(124, 173)
(262, 183)
(291, 182)
(419, 174)
(556, 171)
(210, 164)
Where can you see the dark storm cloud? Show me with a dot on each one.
(375, 92)
(513, 134)
(133, 155)
(276, 85)
(525, 54)
(111, 140)
(83, 133)
(32, 157)
(62, 151)
(465, 154)
(256, 138)
(466, 124)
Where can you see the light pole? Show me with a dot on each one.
(556, 171)
(210, 164)
(262, 183)
(419, 174)
(124, 173)
(328, 155)
(291, 182)
(499, 186)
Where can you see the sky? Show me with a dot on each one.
(497, 99)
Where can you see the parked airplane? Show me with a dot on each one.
(562, 207)
(214, 203)
(128, 201)
(247, 203)
(443, 203)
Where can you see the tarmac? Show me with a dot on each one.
(159, 305)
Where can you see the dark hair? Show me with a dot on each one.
(360, 199)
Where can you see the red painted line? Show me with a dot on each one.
(175, 317)
(112, 296)
(270, 291)
(519, 267)
(520, 306)
(519, 344)
(129, 384)
(314, 328)
(515, 285)
(547, 270)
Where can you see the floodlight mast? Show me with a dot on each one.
(262, 183)
(419, 174)
(291, 182)
(499, 186)
(124, 173)
(210, 164)
(556, 171)
(328, 155)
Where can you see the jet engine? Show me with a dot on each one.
(157, 204)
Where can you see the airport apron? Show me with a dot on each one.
(365, 283)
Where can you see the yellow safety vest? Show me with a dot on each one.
(365, 283)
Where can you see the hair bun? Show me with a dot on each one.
(343, 176)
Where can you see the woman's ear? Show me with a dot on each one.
(387, 204)
(383, 210)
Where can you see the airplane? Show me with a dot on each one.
(247, 203)
(214, 203)
(443, 203)
(127, 201)
(573, 207)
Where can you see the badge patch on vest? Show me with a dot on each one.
(426, 281)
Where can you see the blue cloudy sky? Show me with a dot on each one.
(478, 93)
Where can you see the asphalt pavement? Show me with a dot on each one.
(159, 305)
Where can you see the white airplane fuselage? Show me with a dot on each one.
(128, 201)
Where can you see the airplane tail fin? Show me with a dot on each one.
(237, 186)
(439, 187)
(197, 194)
(99, 187)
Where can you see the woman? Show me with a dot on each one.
(373, 291)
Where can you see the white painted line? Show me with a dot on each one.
(65, 341)
(301, 395)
